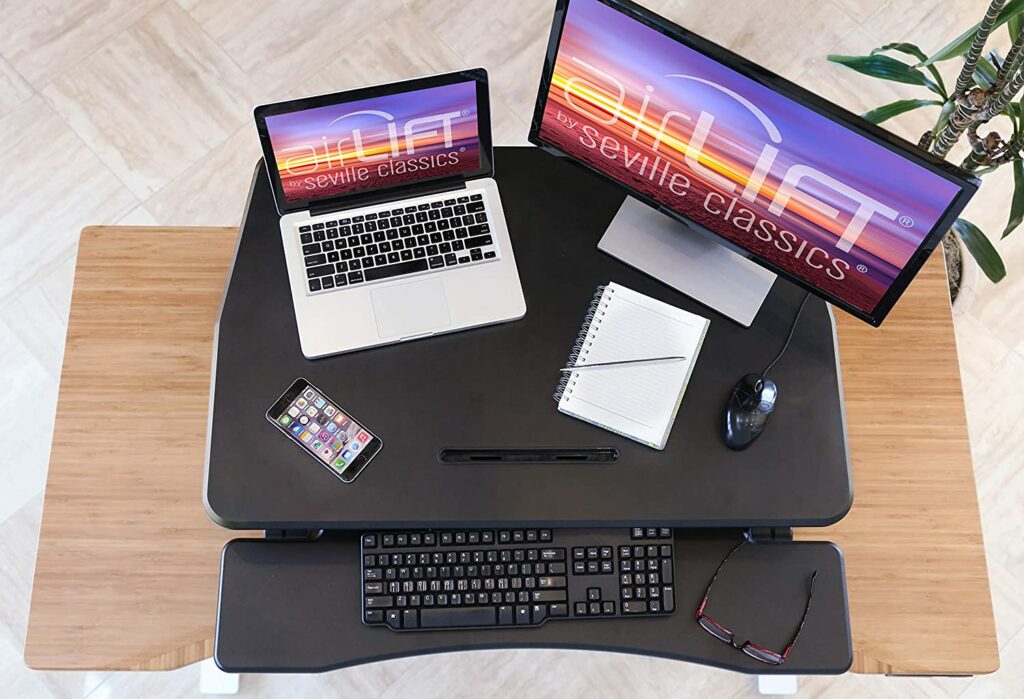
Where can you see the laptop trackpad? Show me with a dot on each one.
(410, 309)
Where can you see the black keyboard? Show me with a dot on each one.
(341, 251)
(458, 579)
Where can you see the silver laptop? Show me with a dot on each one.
(391, 224)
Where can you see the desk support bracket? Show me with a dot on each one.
(764, 535)
(292, 534)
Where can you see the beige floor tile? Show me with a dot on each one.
(929, 25)
(44, 38)
(861, 10)
(860, 93)
(998, 306)
(28, 387)
(409, 49)
(993, 419)
(280, 42)
(1007, 602)
(13, 88)
(769, 37)
(138, 216)
(38, 321)
(1010, 678)
(510, 44)
(45, 205)
(154, 100)
(20, 533)
(978, 349)
(213, 192)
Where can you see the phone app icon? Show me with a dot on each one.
(303, 419)
(363, 437)
(330, 410)
(306, 436)
(309, 394)
(317, 444)
(297, 429)
(347, 455)
(324, 435)
(293, 411)
(285, 420)
(311, 411)
(331, 427)
(355, 446)
(339, 463)
(301, 403)
(340, 419)
(319, 402)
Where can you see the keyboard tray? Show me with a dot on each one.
(294, 606)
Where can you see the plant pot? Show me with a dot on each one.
(962, 273)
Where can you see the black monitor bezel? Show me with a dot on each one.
(967, 183)
(486, 169)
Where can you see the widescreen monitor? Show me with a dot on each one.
(800, 186)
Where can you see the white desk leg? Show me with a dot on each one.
(213, 680)
(776, 685)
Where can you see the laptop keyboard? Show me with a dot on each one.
(340, 251)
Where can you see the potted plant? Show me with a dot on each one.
(986, 94)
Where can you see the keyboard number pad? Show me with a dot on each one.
(646, 578)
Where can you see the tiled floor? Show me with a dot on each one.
(132, 111)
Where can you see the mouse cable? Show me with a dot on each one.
(792, 329)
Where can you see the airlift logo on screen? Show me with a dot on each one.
(377, 142)
(724, 202)
(337, 163)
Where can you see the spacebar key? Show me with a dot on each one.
(471, 616)
(375, 273)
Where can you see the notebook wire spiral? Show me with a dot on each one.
(580, 348)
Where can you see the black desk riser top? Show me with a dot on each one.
(492, 387)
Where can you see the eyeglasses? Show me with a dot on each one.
(726, 636)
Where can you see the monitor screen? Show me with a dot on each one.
(805, 194)
(347, 146)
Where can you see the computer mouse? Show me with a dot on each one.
(751, 403)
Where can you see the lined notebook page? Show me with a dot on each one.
(636, 401)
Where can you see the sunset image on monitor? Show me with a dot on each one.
(377, 142)
(806, 194)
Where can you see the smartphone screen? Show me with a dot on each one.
(329, 434)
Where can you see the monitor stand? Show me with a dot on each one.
(684, 259)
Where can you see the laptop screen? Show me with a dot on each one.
(347, 146)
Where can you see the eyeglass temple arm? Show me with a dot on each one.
(807, 608)
(707, 592)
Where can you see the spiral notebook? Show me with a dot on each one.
(638, 401)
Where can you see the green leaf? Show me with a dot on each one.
(960, 45)
(887, 68)
(947, 110)
(1017, 203)
(1015, 110)
(888, 111)
(985, 73)
(981, 249)
(1015, 24)
(916, 52)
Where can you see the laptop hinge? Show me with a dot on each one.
(292, 534)
(764, 535)
(353, 201)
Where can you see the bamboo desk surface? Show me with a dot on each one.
(128, 561)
